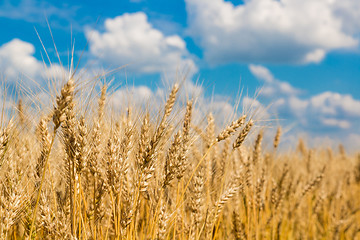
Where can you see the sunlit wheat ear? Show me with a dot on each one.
(224, 159)
(319, 203)
(357, 170)
(47, 220)
(171, 101)
(241, 138)
(197, 200)
(258, 191)
(185, 144)
(45, 142)
(4, 140)
(307, 188)
(274, 193)
(172, 159)
(101, 103)
(64, 115)
(126, 202)
(82, 157)
(281, 188)
(62, 103)
(144, 163)
(238, 227)
(229, 193)
(146, 158)
(63, 112)
(310, 185)
(144, 135)
(277, 138)
(210, 130)
(21, 114)
(160, 131)
(187, 121)
(167, 111)
(162, 222)
(301, 147)
(228, 131)
(95, 144)
(12, 201)
(248, 174)
(257, 148)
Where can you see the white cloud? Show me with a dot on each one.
(261, 73)
(38, 11)
(272, 86)
(144, 97)
(16, 57)
(131, 39)
(348, 11)
(330, 103)
(332, 122)
(324, 111)
(134, 96)
(17, 63)
(297, 105)
(327, 118)
(295, 31)
(315, 56)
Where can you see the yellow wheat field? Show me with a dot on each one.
(143, 176)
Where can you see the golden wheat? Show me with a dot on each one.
(139, 176)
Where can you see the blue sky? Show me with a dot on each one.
(304, 55)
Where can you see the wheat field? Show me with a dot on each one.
(136, 175)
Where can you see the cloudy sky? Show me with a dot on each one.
(304, 55)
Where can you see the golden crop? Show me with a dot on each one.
(138, 176)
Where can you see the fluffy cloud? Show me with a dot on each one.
(325, 111)
(16, 57)
(272, 87)
(17, 63)
(334, 109)
(138, 96)
(262, 73)
(348, 11)
(332, 122)
(331, 103)
(293, 31)
(143, 96)
(131, 39)
(38, 11)
(324, 119)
